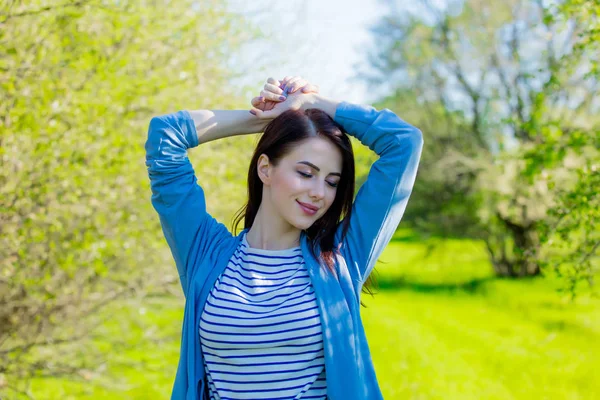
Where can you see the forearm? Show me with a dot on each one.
(322, 103)
(217, 124)
(381, 130)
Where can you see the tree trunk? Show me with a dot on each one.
(518, 260)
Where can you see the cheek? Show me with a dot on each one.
(287, 187)
(295, 185)
(331, 197)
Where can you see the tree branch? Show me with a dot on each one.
(42, 10)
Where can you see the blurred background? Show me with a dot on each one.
(487, 289)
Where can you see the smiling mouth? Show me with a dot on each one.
(307, 208)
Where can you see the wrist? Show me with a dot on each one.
(317, 101)
(256, 125)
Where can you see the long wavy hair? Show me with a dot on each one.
(280, 136)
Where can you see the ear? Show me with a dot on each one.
(264, 169)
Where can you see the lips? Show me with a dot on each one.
(308, 208)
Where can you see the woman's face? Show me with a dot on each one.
(302, 187)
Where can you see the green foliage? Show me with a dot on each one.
(434, 188)
(504, 93)
(569, 235)
(80, 81)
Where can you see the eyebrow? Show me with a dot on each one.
(317, 168)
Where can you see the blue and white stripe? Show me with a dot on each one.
(260, 330)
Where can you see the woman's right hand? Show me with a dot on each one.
(276, 97)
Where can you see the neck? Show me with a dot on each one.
(268, 233)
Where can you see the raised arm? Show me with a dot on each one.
(176, 196)
(382, 199)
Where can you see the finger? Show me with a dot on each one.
(270, 87)
(285, 80)
(272, 96)
(260, 113)
(291, 83)
(255, 101)
(310, 88)
(261, 104)
(268, 106)
(274, 82)
(294, 86)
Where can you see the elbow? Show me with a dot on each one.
(152, 139)
(408, 147)
(416, 147)
(155, 125)
(406, 141)
(405, 132)
(417, 138)
(410, 138)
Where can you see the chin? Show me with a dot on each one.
(301, 225)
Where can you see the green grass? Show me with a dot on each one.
(440, 327)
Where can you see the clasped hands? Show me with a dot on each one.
(279, 96)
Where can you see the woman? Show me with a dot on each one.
(273, 312)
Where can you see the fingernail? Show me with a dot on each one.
(252, 112)
(282, 98)
(260, 98)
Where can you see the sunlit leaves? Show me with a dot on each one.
(80, 81)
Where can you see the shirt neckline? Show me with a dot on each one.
(268, 252)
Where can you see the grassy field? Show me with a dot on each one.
(440, 327)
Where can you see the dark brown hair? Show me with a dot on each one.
(280, 136)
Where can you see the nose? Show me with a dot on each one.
(317, 191)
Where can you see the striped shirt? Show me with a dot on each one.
(260, 330)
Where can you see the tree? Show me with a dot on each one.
(569, 234)
(79, 81)
(487, 74)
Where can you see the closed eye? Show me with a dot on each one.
(333, 185)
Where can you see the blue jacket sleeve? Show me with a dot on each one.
(176, 196)
(382, 199)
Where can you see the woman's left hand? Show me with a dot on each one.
(276, 92)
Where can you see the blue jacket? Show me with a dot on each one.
(202, 246)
